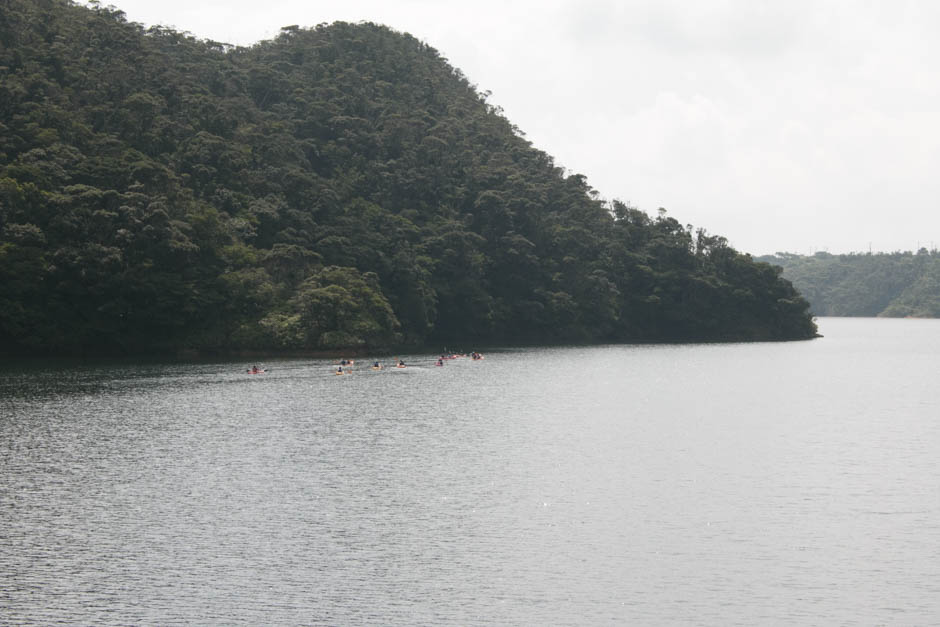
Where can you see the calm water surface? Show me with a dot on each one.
(791, 483)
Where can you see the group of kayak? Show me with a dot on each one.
(345, 366)
(474, 356)
(376, 365)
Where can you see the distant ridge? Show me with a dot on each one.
(889, 285)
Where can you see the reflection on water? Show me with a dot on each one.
(791, 483)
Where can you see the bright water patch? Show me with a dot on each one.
(785, 483)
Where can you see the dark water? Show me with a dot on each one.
(792, 483)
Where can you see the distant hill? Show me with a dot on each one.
(894, 285)
(339, 186)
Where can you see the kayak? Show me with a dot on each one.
(255, 372)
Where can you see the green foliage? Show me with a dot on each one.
(337, 186)
(894, 285)
(339, 307)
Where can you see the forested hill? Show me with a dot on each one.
(891, 285)
(338, 186)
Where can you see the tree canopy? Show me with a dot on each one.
(889, 285)
(337, 186)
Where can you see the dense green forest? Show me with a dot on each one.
(891, 285)
(338, 186)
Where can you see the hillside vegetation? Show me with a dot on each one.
(339, 186)
(890, 285)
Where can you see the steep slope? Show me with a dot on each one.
(338, 186)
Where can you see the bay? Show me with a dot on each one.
(733, 484)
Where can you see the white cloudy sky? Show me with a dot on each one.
(796, 125)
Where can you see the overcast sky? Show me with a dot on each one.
(784, 126)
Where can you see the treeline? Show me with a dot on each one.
(338, 186)
(891, 285)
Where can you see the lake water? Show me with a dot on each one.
(738, 484)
